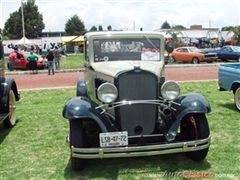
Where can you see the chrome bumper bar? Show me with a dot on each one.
(148, 150)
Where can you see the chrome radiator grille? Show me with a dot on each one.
(137, 118)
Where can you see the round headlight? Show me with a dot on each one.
(170, 90)
(107, 93)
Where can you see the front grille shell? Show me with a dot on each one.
(137, 85)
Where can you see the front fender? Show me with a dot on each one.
(190, 103)
(7, 83)
(83, 108)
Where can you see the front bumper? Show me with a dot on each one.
(211, 58)
(149, 150)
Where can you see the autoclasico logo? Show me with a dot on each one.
(189, 174)
(197, 174)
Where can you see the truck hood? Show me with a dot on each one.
(114, 67)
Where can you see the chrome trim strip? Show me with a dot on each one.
(150, 150)
(125, 102)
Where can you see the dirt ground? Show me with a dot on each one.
(69, 79)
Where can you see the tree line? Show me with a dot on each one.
(34, 24)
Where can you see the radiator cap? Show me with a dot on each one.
(137, 68)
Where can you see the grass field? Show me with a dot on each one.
(72, 62)
(35, 148)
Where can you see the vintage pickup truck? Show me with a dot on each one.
(229, 79)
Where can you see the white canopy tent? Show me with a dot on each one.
(24, 41)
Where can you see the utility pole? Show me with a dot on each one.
(23, 25)
(209, 24)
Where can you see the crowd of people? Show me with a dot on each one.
(53, 59)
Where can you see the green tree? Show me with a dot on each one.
(33, 22)
(236, 36)
(174, 36)
(93, 28)
(74, 26)
(165, 25)
(227, 28)
(179, 27)
(100, 28)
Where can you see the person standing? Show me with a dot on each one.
(57, 58)
(32, 58)
(50, 58)
(12, 57)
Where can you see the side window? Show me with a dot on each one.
(86, 51)
(184, 50)
(179, 50)
(228, 49)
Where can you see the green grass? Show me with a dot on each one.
(72, 62)
(35, 148)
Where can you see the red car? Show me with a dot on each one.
(21, 62)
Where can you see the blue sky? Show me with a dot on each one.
(124, 14)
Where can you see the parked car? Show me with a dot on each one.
(8, 95)
(227, 53)
(125, 108)
(229, 80)
(191, 55)
(21, 61)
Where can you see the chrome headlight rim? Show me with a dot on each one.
(170, 90)
(107, 93)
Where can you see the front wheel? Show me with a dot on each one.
(11, 119)
(195, 60)
(194, 127)
(77, 140)
(237, 98)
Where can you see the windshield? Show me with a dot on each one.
(236, 48)
(193, 49)
(135, 49)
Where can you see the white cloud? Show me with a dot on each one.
(123, 14)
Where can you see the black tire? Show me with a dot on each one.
(77, 140)
(10, 121)
(237, 97)
(193, 127)
(195, 60)
(171, 59)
